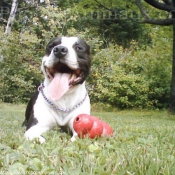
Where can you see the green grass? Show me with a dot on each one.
(143, 144)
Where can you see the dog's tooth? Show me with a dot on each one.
(72, 78)
(77, 79)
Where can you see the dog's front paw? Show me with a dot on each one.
(74, 137)
(30, 136)
(41, 139)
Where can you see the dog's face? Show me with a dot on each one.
(66, 63)
(67, 55)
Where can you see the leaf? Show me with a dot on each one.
(74, 171)
(36, 164)
(4, 147)
(18, 168)
(93, 147)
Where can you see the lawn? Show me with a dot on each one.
(143, 144)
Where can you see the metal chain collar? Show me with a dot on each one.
(40, 89)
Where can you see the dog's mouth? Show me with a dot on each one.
(62, 78)
(75, 75)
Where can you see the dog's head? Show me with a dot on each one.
(67, 57)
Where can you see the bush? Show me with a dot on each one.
(131, 77)
(20, 69)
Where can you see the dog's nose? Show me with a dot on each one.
(60, 51)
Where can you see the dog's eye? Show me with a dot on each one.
(50, 46)
(77, 47)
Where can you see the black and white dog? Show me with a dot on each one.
(62, 96)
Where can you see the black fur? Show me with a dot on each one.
(29, 112)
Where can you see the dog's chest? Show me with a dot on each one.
(71, 104)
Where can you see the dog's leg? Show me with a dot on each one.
(74, 137)
(36, 132)
(74, 134)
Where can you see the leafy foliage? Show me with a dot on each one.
(20, 69)
(114, 21)
(130, 77)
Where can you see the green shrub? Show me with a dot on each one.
(131, 77)
(20, 69)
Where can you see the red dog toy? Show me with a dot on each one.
(89, 126)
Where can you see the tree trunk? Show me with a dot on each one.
(172, 92)
(11, 17)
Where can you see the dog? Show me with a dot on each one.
(63, 95)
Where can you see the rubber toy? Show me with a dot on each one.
(89, 126)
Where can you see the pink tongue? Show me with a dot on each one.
(58, 86)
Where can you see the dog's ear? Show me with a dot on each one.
(85, 45)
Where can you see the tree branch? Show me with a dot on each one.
(144, 14)
(6, 3)
(3, 21)
(102, 5)
(168, 2)
(161, 6)
(11, 16)
(163, 22)
(173, 1)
